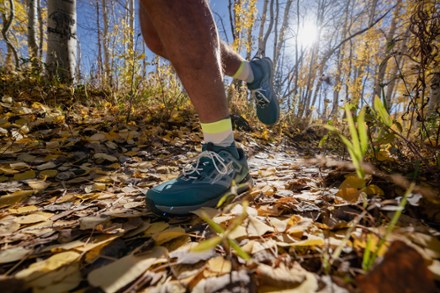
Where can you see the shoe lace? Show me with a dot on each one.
(260, 98)
(195, 169)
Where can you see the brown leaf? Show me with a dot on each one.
(402, 270)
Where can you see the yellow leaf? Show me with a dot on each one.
(41, 268)
(23, 210)
(373, 190)
(7, 170)
(167, 235)
(13, 198)
(34, 218)
(48, 173)
(352, 181)
(37, 185)
(25, 175)
(99, 186)
(217, 266)
(155, 228)
(350, 194)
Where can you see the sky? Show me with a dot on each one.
(87, 33)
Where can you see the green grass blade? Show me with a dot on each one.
(207, 244)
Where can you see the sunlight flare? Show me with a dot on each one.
(307, 34)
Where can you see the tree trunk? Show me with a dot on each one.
(100, 67)
(32, 28)
(388, 49)
(284, 26)
(106, 45)
(275, 37)
(6, 25)
(269, 29)
(62, 40)
(434, 98)
(261, 44)
(40, 29)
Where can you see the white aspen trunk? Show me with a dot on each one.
(434, 98)
(261, 44)
(284, 26)
(389, 47)
(100, 67)
(40, 30)
(62, 39)
(131, 25)
(106, 45)
(32, 28)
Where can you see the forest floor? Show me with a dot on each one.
(73, 214)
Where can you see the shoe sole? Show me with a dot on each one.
(164, 211)
(268, 60)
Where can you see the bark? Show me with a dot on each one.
(394, 74)
(388, 54)
(32, 28)
(261, 44)
(434, 98)
(269, 29)
(131, 26)
(6, 25)
(275, 37)
(284, 26)
(62, 40)
(100, 68)
(231, 20)
(40, 29)
(340, 58)
(106, 45)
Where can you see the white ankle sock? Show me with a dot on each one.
(244, 72)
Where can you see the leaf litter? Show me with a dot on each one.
(73, 216)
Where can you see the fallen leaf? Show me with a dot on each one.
(256, 228)
(8, 225)
(121, 272)
(280, 277)
(184, 254)
(167, 235)
(15, 197)
(25, 175)
(91, 222)
(14, 254)
(48, 173)
(37, 185)
(34, 218)
(37, 274)
(403, 269)
(217, 266)
(19, 166)
(45, 166)
(23, 210)
(236, 281)
(105, 157)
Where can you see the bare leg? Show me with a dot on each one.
(230, 60)
(190, 41)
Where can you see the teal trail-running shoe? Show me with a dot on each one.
(217, 172)
(268, 109)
